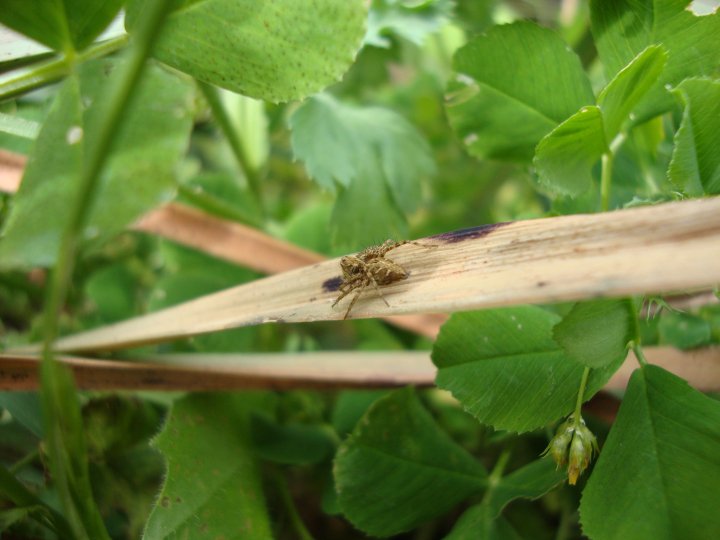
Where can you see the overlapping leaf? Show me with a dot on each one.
(695, 165)
(64, 24)
(138, 175)
(624, 28)
(213, 487)
(391, 470)
(513, 86)
(277, 51)
(374, 154)
(659, 470)
(505, 368)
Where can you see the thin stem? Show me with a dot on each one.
(24, 461)
(639, 354)
(301, 531)
(581, 395)
(500, 464)
(46, 72)
(63, 421)
(223, 119)
(608, 160)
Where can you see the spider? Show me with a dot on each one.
(370, 267)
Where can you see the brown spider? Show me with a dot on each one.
(370, 267)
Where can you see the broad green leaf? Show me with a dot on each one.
(658, 474)
(375, 155)
(407, 18)
(29, 237)
(513, 86)
(60, 24)
(365, 214)
(276, 51)
(565, 156)
(505, 368)
(137, 176)
(478, 523)
(624, 28)
(596, 333)
(628, 87)
(695, 165)
(399, 469)
(529, 482)
(213, 487)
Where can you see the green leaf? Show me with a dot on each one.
(658, 474)
(277, 51)
(513, 86)
(695, 165)
(407, 18)
(293, 444)
(60, 24)
(565, 156)
(398, 469)
(137, 176)
(596, 333)
(629, 86)
(490, 359)
(529, 482)
(374, 154)
(478, 523)
(684, 330)
(624, 28)
(213, 487)
(25, 408)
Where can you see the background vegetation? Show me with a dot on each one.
(335, 125)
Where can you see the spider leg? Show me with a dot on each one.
(377, 288)
(345, 289)
(403, 242)
(352, 302)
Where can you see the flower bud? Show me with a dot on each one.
(573, 444)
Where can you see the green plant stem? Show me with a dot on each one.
(499, 469)
(581, 394)
(24, 461)
(639, 354)
(301, 531)
(218, 207)
(46, 72)
(63, 421)
(221, 116)
(608, 160)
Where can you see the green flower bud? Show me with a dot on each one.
(573, 444)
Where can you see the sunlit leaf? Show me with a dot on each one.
(624, 28)
(277, 51)
(138, 175)
(514, 85)
(695, 165)
(565, 156)
(376, 158)
(628, 87)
